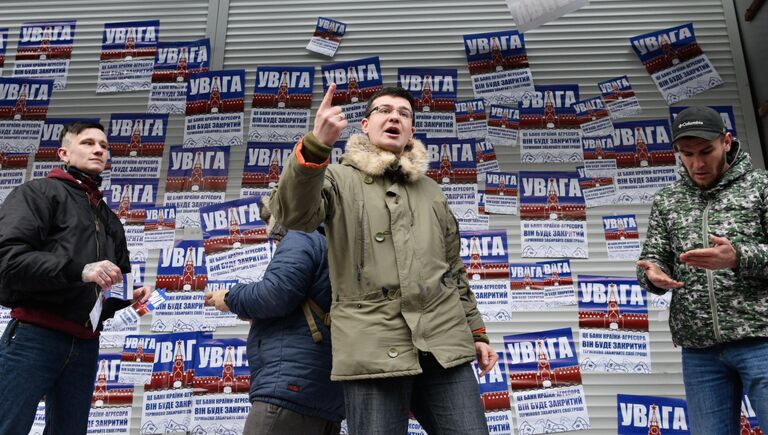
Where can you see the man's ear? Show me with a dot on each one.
(727, 141)
(364, 125)
(62, 153)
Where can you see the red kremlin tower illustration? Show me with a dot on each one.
(181, 66)
(130, 44)
(475, 268)
(135, 145)
(550, 117)
(188, 280)
(545, 376)
(553, 202)
(273, 175)
(20, 109)
(653, 422)
(495, 401)
(178, 377)
(196, 178)
(445, 172)
(125, 204)
(614, 312)
(109, 397)
(352, 87)
(745, 428)
(426, 94)
(617, 94)
(188, 276)
(138, 355)
(613, 318)
(555, 279)
(45, 45)
(527, 282)
(282, 96)
(642, 156)
(641, 149)
(497, 59)
(227, 382)
(235, 238)
(621, 231)
(214, 102)
(670, 54)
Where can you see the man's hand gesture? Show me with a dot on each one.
(657, 276)
(329, 120)
(721, 256)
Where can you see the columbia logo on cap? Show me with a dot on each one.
(687, 123)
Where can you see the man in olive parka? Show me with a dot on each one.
(404, 322)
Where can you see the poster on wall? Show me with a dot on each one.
(676, 62)
(174, 62)
(137, 143)
(501, 192)
(593, 117)
(726, 113)
(281, 103)
(434, 91)
(235, 240)
(13, 171)
(494, 394)
(622, 237)
(160, 227)
(498, 66)
(549, 127)
(558, 283)
(213, 317)
(127, 56)
(3, 47)
(541, 286)
(129, 199)
(476, 222)
(545, 379)
(46, 156)
(597, 189)
(44, 51)
(613, 325)
(220, 402)
(111, 406)
(214, 113)
(23, 108)
(182, 272)
(471, 120)
(196, 178)
(503, 125)
(263, 165)
(641, 415)
(485, 157)
(619, 97)
(327, 37)
(356, 81)
(644, 158)
(530, 14)
(552, 215)
(452, 163)
(486, 258)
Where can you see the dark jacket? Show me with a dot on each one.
(48, 232)
(288, 368)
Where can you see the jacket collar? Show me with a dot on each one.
(372, 160)
(739, 163)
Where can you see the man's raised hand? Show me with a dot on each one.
(329, 120)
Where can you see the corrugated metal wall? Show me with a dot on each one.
(585, 47)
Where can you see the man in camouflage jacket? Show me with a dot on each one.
(707, 241)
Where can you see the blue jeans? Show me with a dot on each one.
(714, 379)
(37, 362)
(445, 401)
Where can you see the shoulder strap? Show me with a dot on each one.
(310, 306)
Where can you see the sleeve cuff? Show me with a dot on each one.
(73, 270)
(312, 153)
(480, 335)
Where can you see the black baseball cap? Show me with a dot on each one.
(698, 121)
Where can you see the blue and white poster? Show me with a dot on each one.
(174, 62)
(282, 98)
(327, 37)
(549, 127)
(558, 283)
(182, 272)
(452, 163)
(544, 375)
(619, 97)
(44, 51)
(494, 393)
(485, 156)
(622, 237)
(160, 227)
(552, 215)
(501, 192)
(644, 158)
(476, 222)
(220, 403)
(235, 240)
(129, 199)
(434, 91)
(262, 167)
(598, 189)
(356, 81)
(214, 113)
(112, 401)
(471, 119)
(503, 125)
(593, 117)
(485, 256)
(599, 156)
(498, 66)
(23, 108)
(641, 415)
(676, 62)
(127, 56)
(137, 143)
(196, 178)
(13, 170)
(613, 325)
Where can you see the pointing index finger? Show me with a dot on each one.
(328, 98)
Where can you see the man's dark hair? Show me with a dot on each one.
(393, 92)
(77, 127)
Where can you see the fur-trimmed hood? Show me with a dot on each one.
(373, 160)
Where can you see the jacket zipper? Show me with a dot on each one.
(98, 247)
(710, 275)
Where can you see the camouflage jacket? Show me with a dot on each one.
(713, 306)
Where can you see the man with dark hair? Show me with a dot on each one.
(60, 248)
(289, 347)
(404, 322)
(707, 240)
